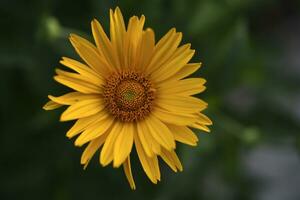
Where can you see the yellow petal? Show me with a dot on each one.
(134, 33)
(107, 153)
(143, 137)
(82, 69)
(78, 85)
(154, 161)
(63, 73)
(176, 160)
(123, 144)
(51, 105)
(128, 173)
(66, 99)
(93, 131)
(150, 165)
(72, 97)
(180, 58)
(175, 118)
(149, 144)
(200, 127)
(185, 71)
(82, 123)
(117, 33)
(119, 20)
(146, 50)
(183, 134)
(164, 49)
(132, 41)
(168, 160)
(82, 109)
(128, 56)
(90, 54)
(104, 44)
(188, 86)
(91, 149)
(160, 132)
(203, 119)
(184, 104)
(170, 157)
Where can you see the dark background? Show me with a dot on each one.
(251, 55)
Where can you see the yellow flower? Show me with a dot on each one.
(129, 91)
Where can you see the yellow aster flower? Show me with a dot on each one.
(131, 91)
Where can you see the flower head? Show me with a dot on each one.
(130, 91)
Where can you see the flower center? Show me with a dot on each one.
(128, 95)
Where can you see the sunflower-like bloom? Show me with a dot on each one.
(131, 91)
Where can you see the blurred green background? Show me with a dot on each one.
(251, 55)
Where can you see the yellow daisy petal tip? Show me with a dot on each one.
(180, 36)
(117, 9)
(104, 163)
(74, 39)
(94, 21)
(51, 105)
(180, 169)
(58, 71)
(150, 30)
(208, 121)
(71, 37)
(62, 118)
(142, 18)
(77, 143)
(116, 164)
(129, 81)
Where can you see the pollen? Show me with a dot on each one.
(128, 95)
